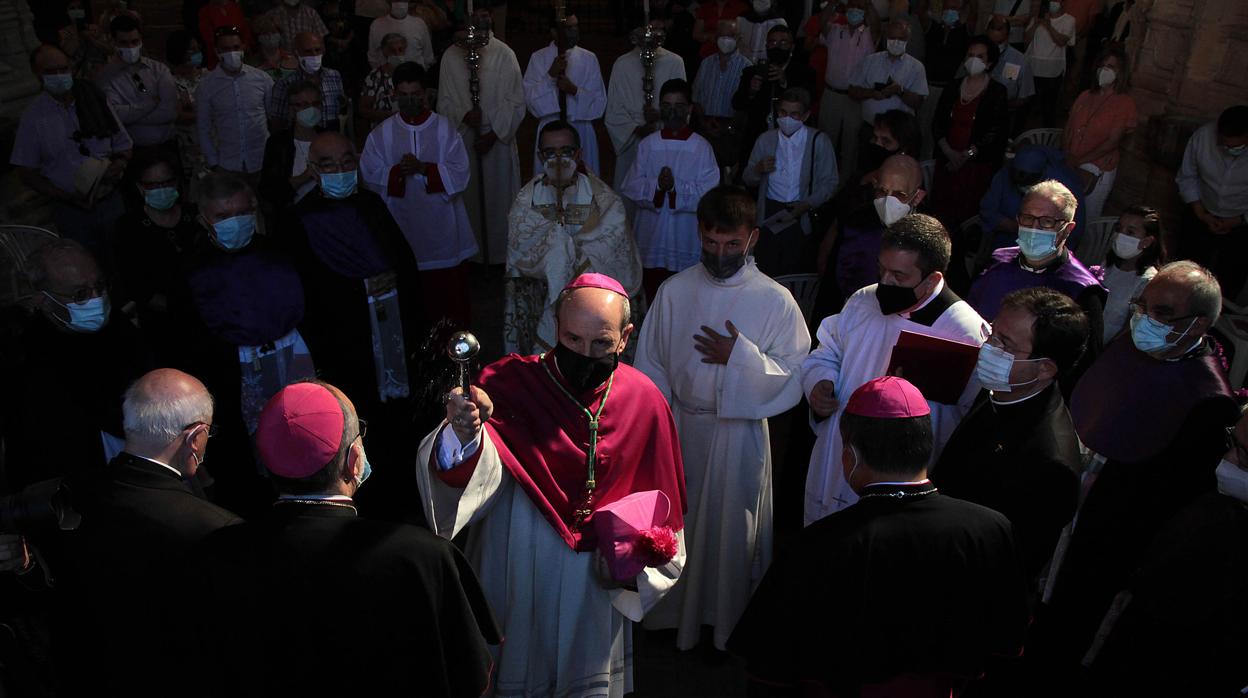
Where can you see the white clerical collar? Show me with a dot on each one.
(940, 286)
(316, 498)
(166, 466)
(995, 401)
(924, 481)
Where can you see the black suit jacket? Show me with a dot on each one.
(122, 578)
(315, 601)
(279, 159)
(1021, 460)
(991, 128)
(920, 584)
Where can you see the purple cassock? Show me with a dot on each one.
(1129, 406)
(247, 298)
(1007, 274)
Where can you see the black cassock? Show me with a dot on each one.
(902, 583)
(313, 600)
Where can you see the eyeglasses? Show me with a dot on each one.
(1137, 305)
(159, 185)
(82, 294)
(363, 428)
(1042, 222)
(566, 151)
(211, 431)
(901, 195)
(226, 31)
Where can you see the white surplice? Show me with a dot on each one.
(854, 347)
(721, 414)
(667, 234)
(584, 107)
(565, 634)
(435, 224)
(502, 110)
(594, 237)
(625, 101)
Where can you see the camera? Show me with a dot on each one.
(42, 506)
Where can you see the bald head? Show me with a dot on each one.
(48, 59)
(593, 321)
(1193, 283)
(161, 408)
(727, 27)
(308, 44)
(901, 170)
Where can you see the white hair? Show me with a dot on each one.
(157, 421)
(1206, 298)
(1058, 193)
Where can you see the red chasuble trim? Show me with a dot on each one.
(396, 183)
(678, 135)
(542, 438)
(433, 179)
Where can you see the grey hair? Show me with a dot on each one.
(156, 422)
(391, 37)
(216, 186)
(1206, 298)
(1056, 192)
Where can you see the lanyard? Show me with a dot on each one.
(592, 456)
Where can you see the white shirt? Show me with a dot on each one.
(875, 71)
(785, 183)
(166, 466)
(1048, 60)
(301, 157)
(419, 43)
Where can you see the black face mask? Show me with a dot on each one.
(674, 118)
(778, 55)
(582, 372)
(410, 106)
(894, 299)
(723, 267)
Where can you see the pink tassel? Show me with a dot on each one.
(657, 546)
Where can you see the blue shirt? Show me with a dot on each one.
(45, 141)
(713, 88)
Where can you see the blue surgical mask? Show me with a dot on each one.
(88, 316)
(338, 185)
(855, 16)
(161, 199)
(1149, 335)
(197, 59)
(1035, 243)
(234, 233)
(366, 472)
(58, 84)
(950, 17)
(1236, 151)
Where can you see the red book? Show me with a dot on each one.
(939, 368)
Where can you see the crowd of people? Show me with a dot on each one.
(1024, 460)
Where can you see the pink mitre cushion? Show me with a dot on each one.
(631, 534)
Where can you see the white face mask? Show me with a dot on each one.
(130, 56)
(1055, 8)
(398, 10)
(310, 64)
(1232, 480)
(891, 210)
(1105, 77)
(994, 366)
(559, 169)
(1126, 247)
(762, 6)
(726, 44)
(232, 60)
(896, 47)
(788, 125)
(975, 65)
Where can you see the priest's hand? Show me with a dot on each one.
(411, 165)
(667, 181)
(823, 400)
(604, 575)
(714, 347)
(484, 142)
(473, 117)
(566, 85)
(467, 415)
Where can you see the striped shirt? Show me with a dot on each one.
(714, 86)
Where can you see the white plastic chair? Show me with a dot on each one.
(1039, 136)
(16, 244)
(1097, 235)
(804, 287)
(1233, 324)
